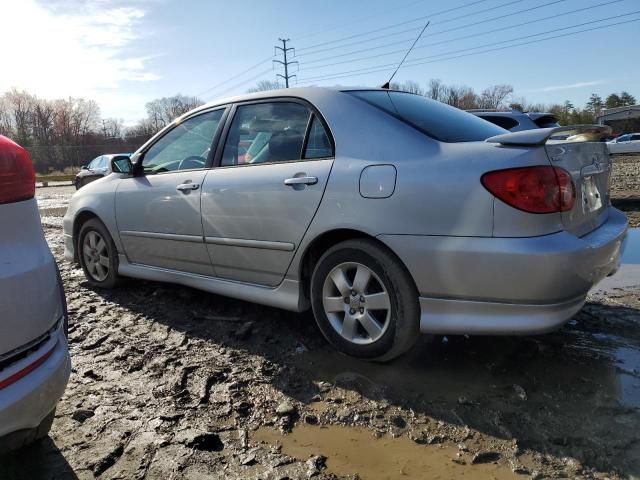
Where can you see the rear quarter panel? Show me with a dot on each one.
(438, 190)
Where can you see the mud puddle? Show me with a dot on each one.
(352, 450)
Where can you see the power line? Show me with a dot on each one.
(244, 82)
(418, 19)
(384, 68)
(286, 62)
(349, 24)
(236, 76)
(508, 27)
(429, 34)
(500, 42)
(270, 58)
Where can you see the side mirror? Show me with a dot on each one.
(84, 167)
(121, 164)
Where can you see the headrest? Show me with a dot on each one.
(286, 145)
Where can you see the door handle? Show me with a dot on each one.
(183, 187)
(301, 181)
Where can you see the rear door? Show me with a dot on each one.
(158, 213)
(259, 201)
(590, 167)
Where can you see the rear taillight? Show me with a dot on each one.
(17, 176)
(533, 189)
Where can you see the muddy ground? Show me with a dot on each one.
(625, 186)
(170, 382)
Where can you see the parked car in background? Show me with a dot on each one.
(387, 213)
(628, 143)
(97, 168)
(516, 121)
(34, 358)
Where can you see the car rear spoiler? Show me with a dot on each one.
(540, 136)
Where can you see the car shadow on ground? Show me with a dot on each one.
(558, 394)
(36, 461)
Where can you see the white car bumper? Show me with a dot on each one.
(43, 375)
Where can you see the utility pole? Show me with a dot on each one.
(284, 49)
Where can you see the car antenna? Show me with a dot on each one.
(387, 85)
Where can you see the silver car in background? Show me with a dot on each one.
(34, 357)
(385, 212)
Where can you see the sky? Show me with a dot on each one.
(126, 53)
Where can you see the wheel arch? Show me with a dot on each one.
(319, 245)
(81, 218)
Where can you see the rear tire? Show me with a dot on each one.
(364, 301)
(98, 255)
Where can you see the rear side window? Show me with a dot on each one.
(318, 145)
(440, 121)
(504, 122)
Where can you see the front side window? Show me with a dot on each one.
(186, 146)
(94, 163)
(266, 133)
(635, 137)
(435, 119)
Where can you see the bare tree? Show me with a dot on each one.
(436, 90)
(494, 97)
(21, 114)
(265, 85)
(412, 87)
(162, 111)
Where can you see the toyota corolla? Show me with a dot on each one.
(385, 212)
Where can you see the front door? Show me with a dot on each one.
(258, 203)
(158, 213)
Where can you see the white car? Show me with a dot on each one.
(629, 143)
(34, 356)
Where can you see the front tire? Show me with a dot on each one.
(364, 301)
(98, 255)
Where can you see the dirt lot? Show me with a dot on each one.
(170, 382)
(625, 186)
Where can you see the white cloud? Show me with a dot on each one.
(569, 86)
(71, 49)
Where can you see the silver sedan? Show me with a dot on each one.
(386, 213)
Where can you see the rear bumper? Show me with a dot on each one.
(25, 403)
(462, 317)
(508, 285)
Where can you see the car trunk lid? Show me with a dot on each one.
(577, 150)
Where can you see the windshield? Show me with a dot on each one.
(436, 119)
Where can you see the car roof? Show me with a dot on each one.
(300, 92)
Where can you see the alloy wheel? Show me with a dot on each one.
(96, 255)
(356, 303)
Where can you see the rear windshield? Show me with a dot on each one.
(504, 122)
(436, 119)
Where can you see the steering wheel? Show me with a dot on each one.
(193, 161)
